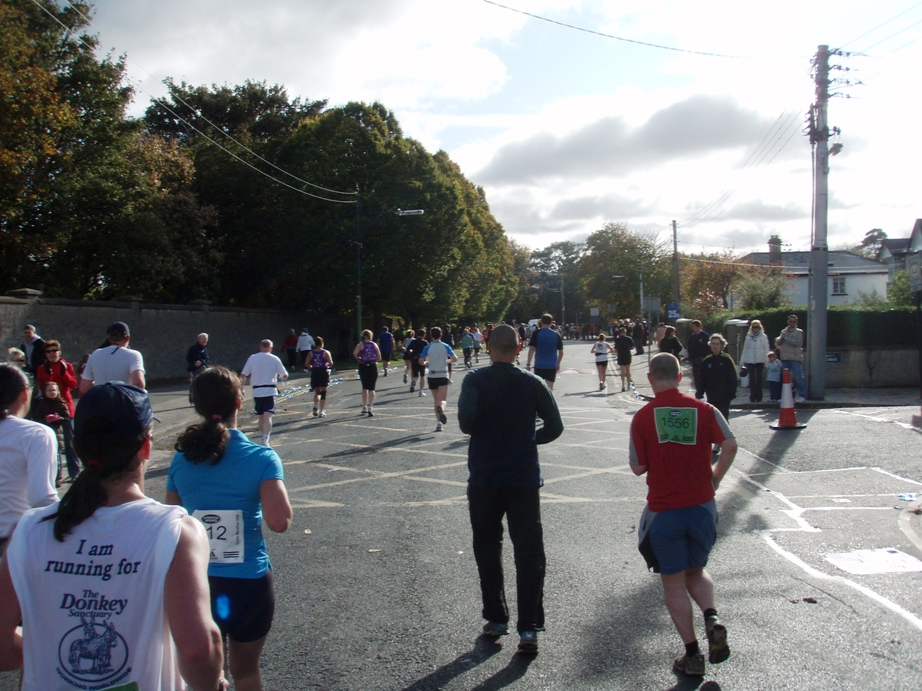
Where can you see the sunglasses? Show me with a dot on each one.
(52, 350)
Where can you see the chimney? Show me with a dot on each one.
(774, 250)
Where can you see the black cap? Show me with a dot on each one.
(118, 330)
(126, 407)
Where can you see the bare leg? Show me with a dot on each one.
(679, 605)
(244, 664)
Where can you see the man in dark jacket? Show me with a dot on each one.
(497, 407)
(697, 348)
(34, 348)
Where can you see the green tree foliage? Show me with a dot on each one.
(759, 289)
(81, 212)
(898, 293)
(617, 251)
(707, 281)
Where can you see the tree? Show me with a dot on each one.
(763, 288)
(898, 293)
(611, 267)
(871, 244)
(707, 281)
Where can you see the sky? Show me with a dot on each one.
(592, 111)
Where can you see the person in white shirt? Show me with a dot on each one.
(305, 346)
(437, 356)
(265, 369)
(114, 362)
(111, 586)
(28, 453)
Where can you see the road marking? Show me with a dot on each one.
(873, 418)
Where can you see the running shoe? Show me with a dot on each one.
(370, 413)
(323, 413)
(404, 378)
(412, 387)
(422, 393)
(718, 649)
(493, 628)
(692, 665)
(314, 413)
(438, 427)
(528, 643)
(442, 417)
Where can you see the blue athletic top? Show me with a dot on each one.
(546, 342)
(387, 341)
(232, 484)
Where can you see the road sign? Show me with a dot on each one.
(672, 311)
(652, 304)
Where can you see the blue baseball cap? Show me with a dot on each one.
(126, 407)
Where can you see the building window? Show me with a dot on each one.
(838, 285)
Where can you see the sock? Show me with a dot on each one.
(265, 439)
(710, 612)
(692, 649)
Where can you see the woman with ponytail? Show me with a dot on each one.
(108, 568)
(28, 453)
(231, 484)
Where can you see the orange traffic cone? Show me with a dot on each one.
(788, 419)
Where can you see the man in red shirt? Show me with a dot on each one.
(671, 440)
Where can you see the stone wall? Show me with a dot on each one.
(163, 333)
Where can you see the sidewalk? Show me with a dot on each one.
(835, 398)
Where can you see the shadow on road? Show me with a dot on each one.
(485, 647)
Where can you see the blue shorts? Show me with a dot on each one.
(264, 404)
(682, 538)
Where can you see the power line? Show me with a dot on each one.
(884, 40)
(194, 128)
(626, 40)
(879, 26)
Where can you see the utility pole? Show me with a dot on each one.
(563, 306)
(819, 251)
(675, 264)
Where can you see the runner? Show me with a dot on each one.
(546, 349)
(602, 350)
(623, 345)
(321, 362)
(368, 355)
(386, 346)
(231, 484)
(415, 351)
(478, 342)
(438, 356)
(467, 347)
(265, 369)
(407, 357)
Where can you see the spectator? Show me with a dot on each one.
(697, 349)
(305, 345)
(197, 356)
(669, 343)
(791, 343)
(34, 348)
(16, 357)
(112, 549)
(773, 376)
(290, 346)
(114, 362)
(719, 377)
(57, 369)
(754, 357)
(51, 410)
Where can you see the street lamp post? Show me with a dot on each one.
(358, 256)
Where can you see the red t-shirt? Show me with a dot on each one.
(672, 435)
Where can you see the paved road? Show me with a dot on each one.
(377, 584)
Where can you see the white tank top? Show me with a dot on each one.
(92, 606)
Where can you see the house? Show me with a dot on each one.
(894, 251)
(850, 275)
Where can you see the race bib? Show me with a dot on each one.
(676, 425)
(225, 534)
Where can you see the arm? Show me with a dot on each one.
(559, 352)
(356, 351)
(548, 412)
(276, 507)
(727, 455)
(137, 379)
(452, 358)
(531, 355)
(377, 352)
(42, 467)
(638, 467)
(328, 358)
(69, 377)
(85, 385)
(467, 404)
(10, 616)
(188, 609)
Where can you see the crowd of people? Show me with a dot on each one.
(175, 582)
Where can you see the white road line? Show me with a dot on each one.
(873, 418)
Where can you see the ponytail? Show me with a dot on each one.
(216, 393)
(13, 381)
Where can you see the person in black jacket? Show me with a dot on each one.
(719, 377)
(34, 348)
(697, 349)
(670, 344)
